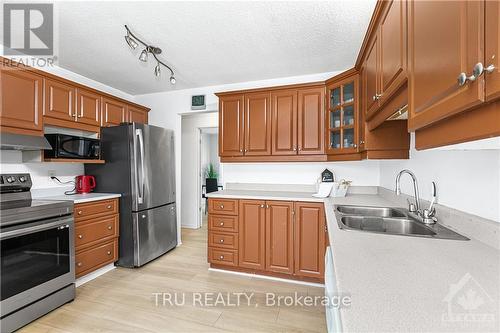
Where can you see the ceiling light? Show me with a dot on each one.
(144, 55)
(133, 42)
(130, 41)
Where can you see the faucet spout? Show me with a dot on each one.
(415, 187)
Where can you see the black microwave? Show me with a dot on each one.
(70, 146)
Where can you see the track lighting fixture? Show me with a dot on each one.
(132, 41)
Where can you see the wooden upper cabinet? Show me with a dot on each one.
(88, 107)
(113, 112)
(342, 134)
(284, 122)
(492, 47)
(257, 124)
(59, 100)
(252, 233)
(21, 101)
(310, 239)
(371, 81)
(231, 130)
(137, 115)
(445, 39)
(279, 236)
(311, 121)
(393, 46)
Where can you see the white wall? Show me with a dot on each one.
(11, 161)
(467, 180)
(190, 163)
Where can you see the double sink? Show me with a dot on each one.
(389, 220)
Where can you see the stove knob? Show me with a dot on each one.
(11, 179)
(22, 179)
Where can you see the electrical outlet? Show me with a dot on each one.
(51, 173)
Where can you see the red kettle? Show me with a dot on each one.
(84, 184)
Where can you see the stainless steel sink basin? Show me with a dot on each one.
(371, 211)
(399, 226)
(389, 220)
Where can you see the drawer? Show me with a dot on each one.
(95, 230)
(223, 206)
(96, 208)
(223, 240)
(222, 256)
(223, 223)
(96, 257)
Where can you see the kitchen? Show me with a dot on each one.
(387, 111)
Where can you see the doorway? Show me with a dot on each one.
(199, 149)
(210, 170)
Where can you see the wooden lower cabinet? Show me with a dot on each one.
(310, 239)
(96, 235)
(279, 238)
(252, 234)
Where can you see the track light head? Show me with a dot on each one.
(131, 42)
(144, 55)
(157, 70)
(172, 79)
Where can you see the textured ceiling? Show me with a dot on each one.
(209, 43)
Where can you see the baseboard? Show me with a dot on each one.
(89, 277)
(266, 277)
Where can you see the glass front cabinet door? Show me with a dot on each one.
(342, 116)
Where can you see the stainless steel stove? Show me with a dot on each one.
(37, 253)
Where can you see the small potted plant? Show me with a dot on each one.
(211, 178)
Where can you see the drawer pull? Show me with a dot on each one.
(80, 236)
(221, 206)
(221, 224)
(221, 257)
(110, 227)
(221, 241)
(109, 253)
(109, 206)
(79, 212)
(79, 264)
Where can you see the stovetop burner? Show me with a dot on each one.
(17, 206)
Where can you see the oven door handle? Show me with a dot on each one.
(59, 224)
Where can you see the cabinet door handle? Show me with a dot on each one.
(109, 207)
(294, 148)
(221, 224)
(110, 227)
(109, 253)
(221, 241)
(79, 264)
(221, 257)
(80, 236)
(79, 212)
(362, 142)
(261, 206)
(267, 206)
(221, 206)
(476, 72)
(490, 68)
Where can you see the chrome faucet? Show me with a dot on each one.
(412, 208)
(427, 216)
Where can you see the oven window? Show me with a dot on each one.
(32, 259)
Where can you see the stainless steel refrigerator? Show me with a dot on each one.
(140, 165)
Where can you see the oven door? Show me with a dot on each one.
(37, 259)
(75, 147)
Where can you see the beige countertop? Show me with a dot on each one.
(265, 195)
(400, 283)
(81, 198)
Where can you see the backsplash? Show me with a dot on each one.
(11, 162)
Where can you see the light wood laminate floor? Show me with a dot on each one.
(122, 300)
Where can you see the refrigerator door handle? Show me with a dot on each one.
(140, 180)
